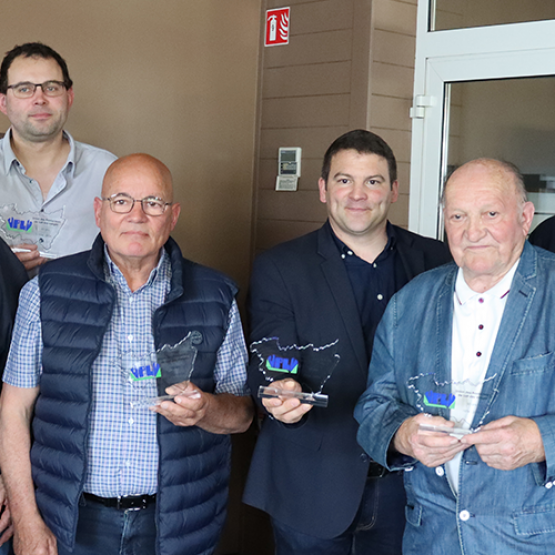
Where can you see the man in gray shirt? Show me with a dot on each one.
(47, 180)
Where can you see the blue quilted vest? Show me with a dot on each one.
(76, 307)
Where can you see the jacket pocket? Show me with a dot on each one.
(539, 520)
(413, 514)
(524, 393)
(534, 365)
(303, 436)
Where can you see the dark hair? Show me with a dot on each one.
(364, 142)
(32, 50)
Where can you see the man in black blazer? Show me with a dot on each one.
(13, 277)
(322, 491)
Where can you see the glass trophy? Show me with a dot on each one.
(177, 363)
(454, 400)
(309, 365)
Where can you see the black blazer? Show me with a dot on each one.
(12, 278)
(311, 475)
(544, 235)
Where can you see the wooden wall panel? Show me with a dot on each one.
(349, 64)
(304, 80)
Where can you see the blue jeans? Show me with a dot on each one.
(376, 530)
(6, 548)
(108, 531)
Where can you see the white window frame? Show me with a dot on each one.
(442, 57)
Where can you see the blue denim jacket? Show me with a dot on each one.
(504, 512)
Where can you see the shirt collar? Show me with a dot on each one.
(10, 157)
(464, 293)
(113, 274)
(344, 249)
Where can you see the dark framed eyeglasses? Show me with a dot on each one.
(27, 89)
(122, 203)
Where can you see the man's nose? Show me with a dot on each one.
(137, 211)
(358, 191)
(38, 96)
(475, 229)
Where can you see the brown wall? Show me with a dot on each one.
(349, 64)
(176, 79)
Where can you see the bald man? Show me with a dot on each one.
(471, 346)
(106, 473)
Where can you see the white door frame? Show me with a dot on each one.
(494, 52)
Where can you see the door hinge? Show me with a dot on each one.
(421, 101)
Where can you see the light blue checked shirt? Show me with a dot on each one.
(123, 451)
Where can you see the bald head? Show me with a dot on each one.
(487, 219)
(141, 166)
(498, 171)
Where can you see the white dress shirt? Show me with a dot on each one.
(476, 320)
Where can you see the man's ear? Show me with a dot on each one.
(70, 96)
(97, 209)
(322, 187)
(528, 211)
(3, 104)
(176, 210)
(394, 191)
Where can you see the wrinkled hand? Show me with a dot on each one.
(188, 407)
(508, 443)
(6, 528)
(430, 448)
(286, 409)
(33, 537)
(30, 259)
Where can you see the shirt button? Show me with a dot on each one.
(464, 515)
(481, 327)
(478, 354)
(343, 256)
(549, 485)
(130, 337)
(380, 297)
(375, 265)
(131, 421)
(440, 471)
(350, 253)
(480, 300)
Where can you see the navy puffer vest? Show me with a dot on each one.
(76, 307)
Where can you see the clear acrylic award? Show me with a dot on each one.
(309, 365)
(177, 363)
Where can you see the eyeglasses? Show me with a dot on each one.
(123, 203)
(27, 90)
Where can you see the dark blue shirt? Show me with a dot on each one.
(373, 283)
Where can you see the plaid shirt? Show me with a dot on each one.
(123, 450)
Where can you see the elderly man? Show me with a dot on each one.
(104, 474)
(462, 377)
(47, 180)
(308, 472)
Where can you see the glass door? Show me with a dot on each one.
(482, 92)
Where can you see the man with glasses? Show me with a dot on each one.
(106, 473)
(47, 179)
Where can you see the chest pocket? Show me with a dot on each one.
(529, 380)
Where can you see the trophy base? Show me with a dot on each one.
(316, 399)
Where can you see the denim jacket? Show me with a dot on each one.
(505, 512)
